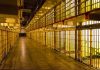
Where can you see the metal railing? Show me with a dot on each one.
(63, 11)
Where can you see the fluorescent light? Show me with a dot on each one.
(46, 7)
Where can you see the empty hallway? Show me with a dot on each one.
(29, 55)
(49, 34)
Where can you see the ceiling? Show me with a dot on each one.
(33, 6)
(8, 7)
(45, 8)
(9, 11)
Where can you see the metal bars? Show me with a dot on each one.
(64, 10)
(82, 43)
(7, 41)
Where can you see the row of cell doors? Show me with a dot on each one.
(85, 46)
(63, 41)
(88, 47)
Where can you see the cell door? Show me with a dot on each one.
(95, 61)
(84, 46)
(70, 43)
(89, 47)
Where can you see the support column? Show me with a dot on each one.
(90, 47)
(79, 45)
(7, 42)
(69, 42)
(45, 38)
(76, 48)
(64, 41)
(60, 41)
(55, 40)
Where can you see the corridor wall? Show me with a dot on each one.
(7, 42)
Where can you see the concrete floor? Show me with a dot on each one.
(30, 55)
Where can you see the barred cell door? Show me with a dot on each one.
(88, 46)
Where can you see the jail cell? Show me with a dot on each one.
(4, 43)
(70, 43)
(49, 39)
(63, 41)
(57, 40)
(88, 44)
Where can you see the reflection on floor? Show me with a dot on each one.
(30, 55)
